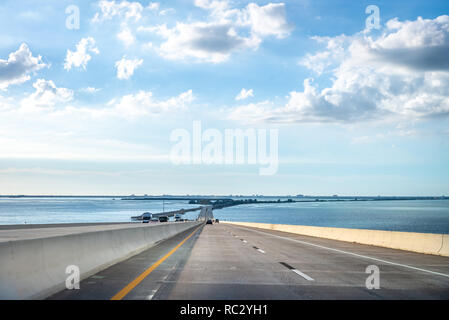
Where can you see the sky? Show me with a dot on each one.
(92, 92)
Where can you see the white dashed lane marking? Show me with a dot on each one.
(302, 274)
(349, 253)
(260, 250)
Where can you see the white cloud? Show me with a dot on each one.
(143, 103)
(90, 90)
(267, 20)
(154, 6)
(403, 73)
(135, 106)
(126, 67)
(18, 67)
(211, 42)
(261, 20)
(328, 59)
(218, 7)
(125, 9)
(46, 95)
(6, 103)
(126, 37)
(81, 56)
(253, 112)
(164, 12)
(225, 31)
(244, 94)
(46, 125)
(130, 107)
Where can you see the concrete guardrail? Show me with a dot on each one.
(428, 243)
(35, 268)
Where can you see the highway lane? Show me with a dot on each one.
(107, 283)
(338, 268)
(229, 262)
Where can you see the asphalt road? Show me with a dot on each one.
(223, 261)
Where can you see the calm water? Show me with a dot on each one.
(415, 216)
(78, 210)
(430, 216)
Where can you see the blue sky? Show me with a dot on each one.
(90, 111)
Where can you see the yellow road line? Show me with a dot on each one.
(122, 293)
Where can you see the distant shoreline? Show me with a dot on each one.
(305, 198)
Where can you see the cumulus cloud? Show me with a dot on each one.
(81, 56)
(126, 36)
(261, 20)
(421, 45)
(46, 95)
(143, 103)
(225, 31)
(401, 73)
(211, 42)
(134, 106)
(48, 99)
(328, 59)
(18, 67)
(126, 67)
(267, 20)
(244, 94)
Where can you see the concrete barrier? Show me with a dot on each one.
(35, 268)
(428, 243)
(444, 251)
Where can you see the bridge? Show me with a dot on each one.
(148, 215)
(194, 260)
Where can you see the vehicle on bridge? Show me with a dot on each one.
(163, 219)
(177, 214)
(144, 217)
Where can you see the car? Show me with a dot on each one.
(163, 219)
(217, 220)
(209, 221)
(146, 216)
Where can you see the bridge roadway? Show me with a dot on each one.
(222, 261)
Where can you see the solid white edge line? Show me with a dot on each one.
(153, 292)
(302, 274)
(349, 253)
